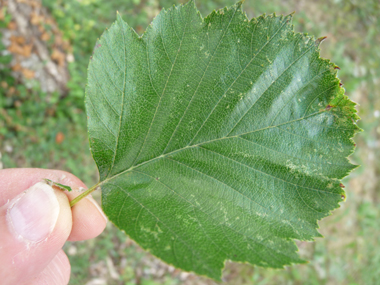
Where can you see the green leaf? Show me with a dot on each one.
(58, 185)
(217, 139)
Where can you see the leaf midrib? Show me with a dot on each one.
(189, 145)
(202, 143)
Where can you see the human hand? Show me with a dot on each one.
(35, 222)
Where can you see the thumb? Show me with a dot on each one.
(33, 228)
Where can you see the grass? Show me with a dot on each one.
(349, 253)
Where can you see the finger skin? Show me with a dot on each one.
(13, 181)
(88, 219)
(21, 260)
(57, 272)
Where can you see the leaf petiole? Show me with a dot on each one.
(84, 194)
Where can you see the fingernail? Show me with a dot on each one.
(34, 213)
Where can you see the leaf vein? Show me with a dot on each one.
(122, 106)
(204, 122)
(104, 95)
(196, 90)
(100, 118)
(210, 216)
(159, 103)
(216, 179)
(153, 215)
(273, 82)
(296, 185)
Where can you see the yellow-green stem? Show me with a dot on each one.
(84, 194)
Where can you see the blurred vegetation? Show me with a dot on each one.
(31, 119)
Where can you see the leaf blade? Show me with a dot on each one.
(227, 146)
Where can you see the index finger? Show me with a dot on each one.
(13, 181)
(88, 219)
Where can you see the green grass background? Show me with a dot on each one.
(350, 251)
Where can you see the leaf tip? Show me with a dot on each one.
(118, 17)
(319, 235)
(288, 18)
(319, 40)
(240, 3)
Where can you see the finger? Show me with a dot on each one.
(33, 226)
(56, 273)
(88, 219)
(14, 181)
